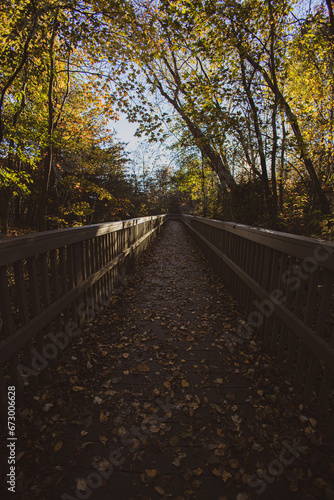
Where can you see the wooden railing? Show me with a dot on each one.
(285, 285)
(50, 283)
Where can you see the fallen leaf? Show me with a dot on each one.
(104, 464)
(174, 441)
(196, 483)
(143, 368)
(236, 419)
(293, 485)
(103, 417)
(151, 472)
(234, 462)
(222, 474)
(184, 383)
(177, 460)
(103, 439)
(84, 445)
(58, 446)
(19, 455)
(257, 447)
(81, 484)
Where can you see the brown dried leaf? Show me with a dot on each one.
(174, 441)
(103, 439)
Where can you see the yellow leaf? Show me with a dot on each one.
(104, 464)
(103, 439)
(151, 472)
(184, 383)
(225, 476)
(58, 446)
(103, 417)
(81, 484)
(245, 478)
(293, 485)
(167, 385)
(77, 388)
(84, 445)
(143, 368)
(222, 474)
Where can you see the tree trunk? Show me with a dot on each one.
(273, 166)
(4, 209)
(293, 121)
(256, 122)
(48, 157)
(217, 164)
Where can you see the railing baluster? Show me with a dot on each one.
(322, 317)
(8, 330)
(21, 294)
(35, 297)
(63, 280)
(310, 304)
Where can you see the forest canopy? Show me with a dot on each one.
(242, 90)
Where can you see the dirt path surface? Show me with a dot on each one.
(151, 403)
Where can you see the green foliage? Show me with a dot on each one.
(248, 92)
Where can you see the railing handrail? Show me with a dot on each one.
(22, 247)
(299, 246)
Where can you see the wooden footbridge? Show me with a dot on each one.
(54, 284)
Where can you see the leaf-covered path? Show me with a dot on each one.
(153, 402)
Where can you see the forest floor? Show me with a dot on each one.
(156, 400)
